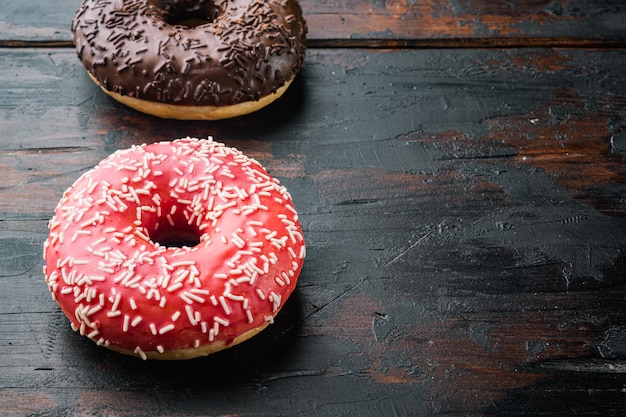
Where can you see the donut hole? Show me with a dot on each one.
(178, 235)
(191, 14)
(177, 239)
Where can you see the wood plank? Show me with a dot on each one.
(386, 23)
(464, 216)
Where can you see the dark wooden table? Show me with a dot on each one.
(459, 170)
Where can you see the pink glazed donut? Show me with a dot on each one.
(112, 270)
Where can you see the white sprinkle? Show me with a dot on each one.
(205, 192)
(136, 321)
(132, 283)
(194, 270)
(221, 321)
(181, 275)
(189, 297)
(125, 325)
(279, 243)
(252, 265)
(81, 329)
(124, 276)
(166, 328)
(80, 233)
(134, 195)
(122, 206)
(238, 241)
(67, 278)
(253, 277)
(142, 235)
(93, 310)
(273, 258)
(92, 187)
(235, 297)
(275, 299)
(140, 353)
(223, 207)
(224, 304)
(111, 204)
(116, 303)
(242, 193)
(190, 315)
(174, 287)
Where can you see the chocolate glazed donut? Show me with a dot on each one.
(191, 59)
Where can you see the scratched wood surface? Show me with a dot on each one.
(464, 211)
(388, 22)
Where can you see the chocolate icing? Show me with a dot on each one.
(147, 49)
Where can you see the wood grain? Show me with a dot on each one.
(387, 23)
(464, 216)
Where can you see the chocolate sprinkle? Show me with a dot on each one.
(242, 50)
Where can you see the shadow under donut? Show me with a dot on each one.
(239, 365)
(126, 127)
